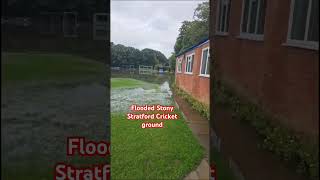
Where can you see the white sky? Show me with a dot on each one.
(149, 24)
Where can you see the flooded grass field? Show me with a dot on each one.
(40, 109)
(140, 93)
(170, 152)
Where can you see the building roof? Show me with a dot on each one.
(204, 41)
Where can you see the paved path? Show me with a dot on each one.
(200, 128)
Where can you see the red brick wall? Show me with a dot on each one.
(195, 85)
(283, 79)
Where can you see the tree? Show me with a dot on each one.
(172, 61)
(153, 57)
(123, 55)
(202, 12)
(194, 31)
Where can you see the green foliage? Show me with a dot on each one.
(275, 138)
(172, 61)
(191, 32)
(202, 108)
(121, 55)
(153, 57)
(201, 13)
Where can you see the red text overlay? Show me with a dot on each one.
(81, 147)
(87, 148)
(95, 172)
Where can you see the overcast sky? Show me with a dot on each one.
(149, 24)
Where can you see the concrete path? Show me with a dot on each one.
(200, 128)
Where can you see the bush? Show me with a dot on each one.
(275, 138)
(202, 108)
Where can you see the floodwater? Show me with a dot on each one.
(36, 121)
(122, 99)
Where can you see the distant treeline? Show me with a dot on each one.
(124, 55)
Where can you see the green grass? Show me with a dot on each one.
(17, 67)
(130, 83)
(170, 152)
(223, 171)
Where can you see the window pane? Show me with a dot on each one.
(208, 65)
(299, 19)
(187, 64)
(187, 67)
(191, 63)
(228, 16)
(219, 20)
(261, 17)
(223, 17)
(313, 34)
(245, 16)
(203, 65)
(253, 16)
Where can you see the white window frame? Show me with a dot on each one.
(247, 35)
(179, 63)
(218, 20)
(301, 43)
(207, 61)
(187, 60)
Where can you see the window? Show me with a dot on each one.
(189, 63)
(253, 17)
(223, 16)
(179, 65)
(100, 26)
(304, 23)
(204, 68)
(69, 24)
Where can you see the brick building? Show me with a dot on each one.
(192, 71)
(268, 52)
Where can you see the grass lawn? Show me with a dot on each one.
(130, 83)
(223, 171)
(170, 152)
(35, 67)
